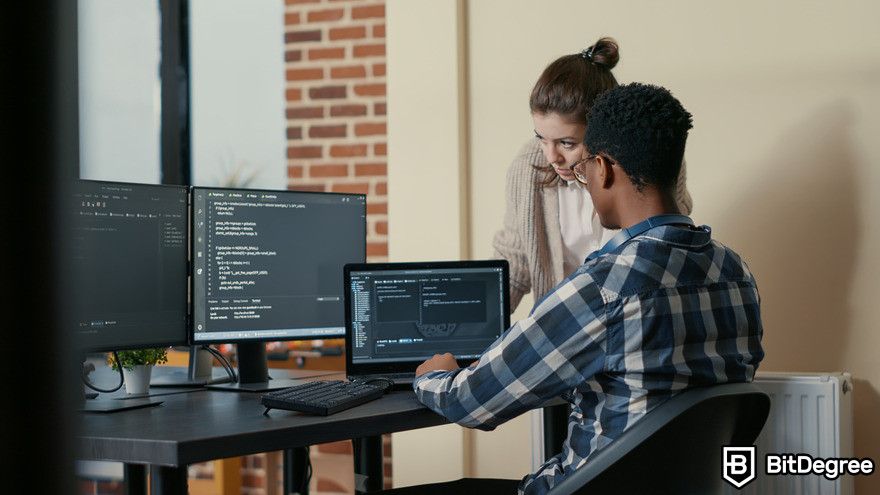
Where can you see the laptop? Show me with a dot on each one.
(397, 315)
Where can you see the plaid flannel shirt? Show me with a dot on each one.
(669, 310)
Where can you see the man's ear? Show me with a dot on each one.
(604, 172)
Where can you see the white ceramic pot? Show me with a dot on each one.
(137, 380)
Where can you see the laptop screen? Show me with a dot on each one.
(399, 314)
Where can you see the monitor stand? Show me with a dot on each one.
(113, 405)
(199, 372)
(253, 372)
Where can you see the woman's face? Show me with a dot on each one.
(562, 141)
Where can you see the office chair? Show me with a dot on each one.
(677, 447)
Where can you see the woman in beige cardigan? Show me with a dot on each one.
(549, 224)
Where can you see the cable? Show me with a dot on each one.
(220, 358)
(85, 378)
(223, 362)
(304, 484)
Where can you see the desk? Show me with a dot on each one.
(204, 425)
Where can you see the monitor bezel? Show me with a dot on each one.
(358, 369)
(192, 331)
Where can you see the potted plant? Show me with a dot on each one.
(137, 366)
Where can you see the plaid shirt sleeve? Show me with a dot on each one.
(560, 345)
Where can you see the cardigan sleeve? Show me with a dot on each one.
(682, 195)
(512, 241)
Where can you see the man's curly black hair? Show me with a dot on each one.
(643, 128)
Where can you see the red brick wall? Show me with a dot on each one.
(254, 479)
(335, 91)
(93, 487)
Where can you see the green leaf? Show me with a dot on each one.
(130, 359)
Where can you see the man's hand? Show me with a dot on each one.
(440, 362)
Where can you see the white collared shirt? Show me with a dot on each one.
(582, 233)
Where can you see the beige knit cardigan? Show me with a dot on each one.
(531, 239)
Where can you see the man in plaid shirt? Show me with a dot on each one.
(661, 308)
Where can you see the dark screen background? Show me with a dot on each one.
(274, 261)
(128, 264)
(410, 317)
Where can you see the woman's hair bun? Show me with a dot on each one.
(604, 53)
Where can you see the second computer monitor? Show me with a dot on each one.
(267, 265)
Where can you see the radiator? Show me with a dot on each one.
(810, 413)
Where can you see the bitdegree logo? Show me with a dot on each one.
(831, 468)
(738, 465)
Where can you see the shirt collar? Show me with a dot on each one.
(682, 236)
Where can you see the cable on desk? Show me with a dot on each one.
(88, 383)
(223, 362)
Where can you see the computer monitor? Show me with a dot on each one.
(126, 269)
(267, 266)
(127, 254)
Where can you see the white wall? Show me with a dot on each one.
(119, 90)
(425, 138)
(237, 75)
(425, 195)
(782, 161)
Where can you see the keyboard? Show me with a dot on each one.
(322, 397)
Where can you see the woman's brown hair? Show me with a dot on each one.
(571, 83)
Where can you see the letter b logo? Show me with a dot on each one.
(739, 465)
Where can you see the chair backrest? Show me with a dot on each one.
(677, 447)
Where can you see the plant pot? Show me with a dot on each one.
(137, 379)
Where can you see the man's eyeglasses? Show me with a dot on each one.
(579, 168)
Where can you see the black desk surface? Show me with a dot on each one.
(203, 425)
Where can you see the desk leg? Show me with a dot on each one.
(368, 472)
(296, 466)
(168, 480)
(555, 429)
(135, 476)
